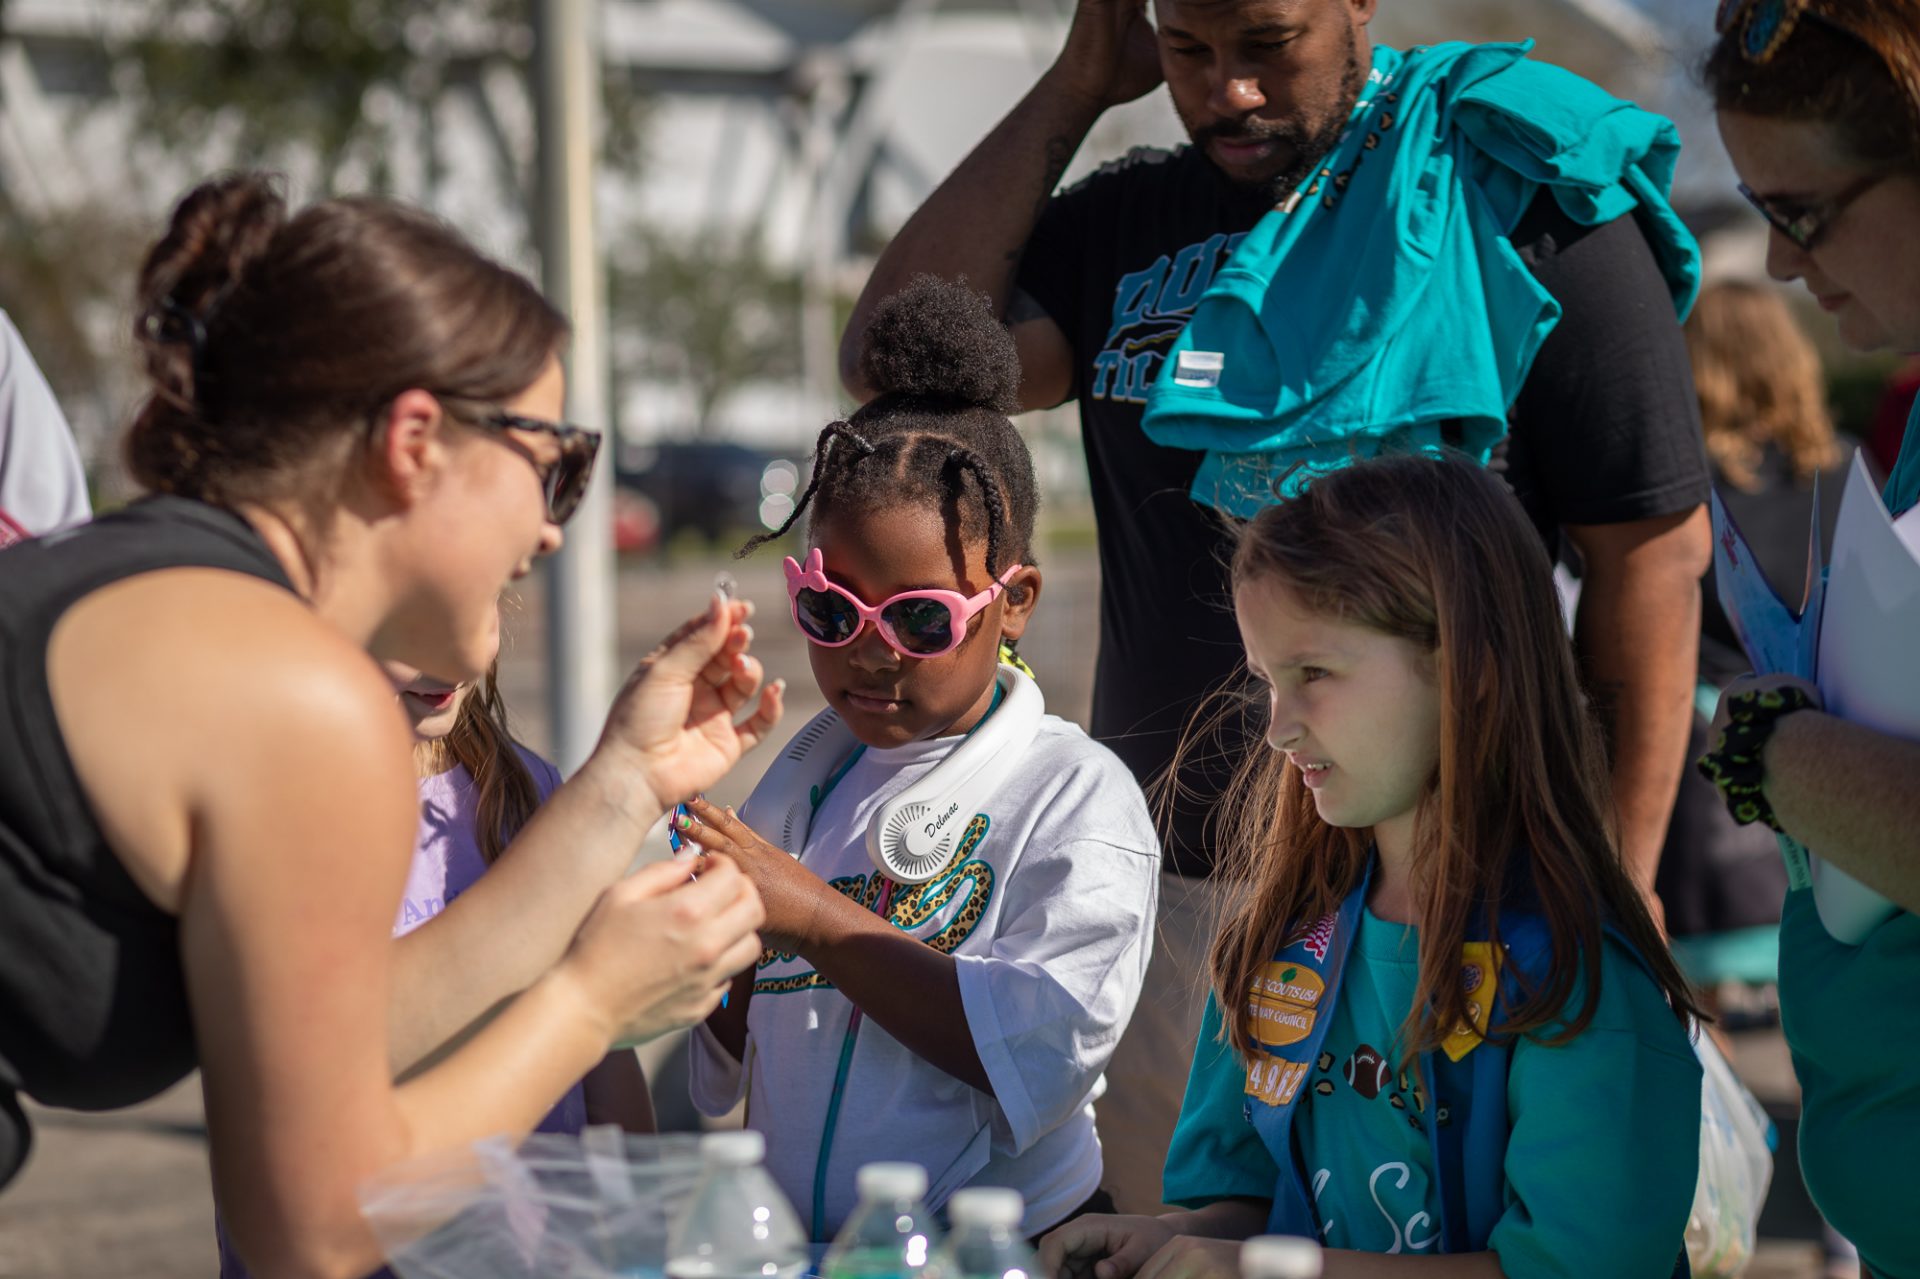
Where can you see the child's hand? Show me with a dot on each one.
(790, 892)
(657, 951)
(1192, 1257)
(673, 722)
(1103, 1247)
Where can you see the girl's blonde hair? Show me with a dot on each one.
(1518, 814)
(1760, 383)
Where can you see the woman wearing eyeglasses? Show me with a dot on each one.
(1819, 105)
(207, 795)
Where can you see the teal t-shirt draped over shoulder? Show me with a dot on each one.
(1853, 1022)
(1604, 1130)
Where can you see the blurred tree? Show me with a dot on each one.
(715, 314)
(63, 280)
(331, 81)
(328, 89)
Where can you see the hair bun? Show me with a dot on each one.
(219, 230)
(939, 340)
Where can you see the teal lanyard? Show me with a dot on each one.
(840, 1072)
(819, 797)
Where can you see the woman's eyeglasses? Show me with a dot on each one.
(913, 623)
(1805, 224)
(564, 478)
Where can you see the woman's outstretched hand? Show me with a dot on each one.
(661, 946)
(678, 720)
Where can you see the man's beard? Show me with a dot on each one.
(1307, 144)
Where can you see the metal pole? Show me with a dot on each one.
(580, 578)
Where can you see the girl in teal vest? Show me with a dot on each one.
(1443, 1030)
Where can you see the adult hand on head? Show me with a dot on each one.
(674, 720)
(660, 947)
(789, 891)
(1111, 55)
(1098, 1246)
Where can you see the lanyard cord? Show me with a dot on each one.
(880, 908)
(819, 796)
(840, 1086)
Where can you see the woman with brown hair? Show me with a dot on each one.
(207, 794)
(1442, 1024)
(1819, 105)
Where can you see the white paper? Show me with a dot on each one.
(1869, 669)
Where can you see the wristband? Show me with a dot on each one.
(1736, 763)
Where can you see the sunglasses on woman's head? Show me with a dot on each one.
(1768, 23)
(913, 623)
(565, 478)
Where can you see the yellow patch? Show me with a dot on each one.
(1274, 1081)
(1480, 978)
(1283, 1003)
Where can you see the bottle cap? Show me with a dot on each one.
(891, 1181)
(986, 1206)
(741, 1149)
(1280, 1257)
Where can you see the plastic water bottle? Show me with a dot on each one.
(1280, 1257)
(737, 1225)
(890, 1235)
(986, 1242)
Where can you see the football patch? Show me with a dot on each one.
(1368, 1072)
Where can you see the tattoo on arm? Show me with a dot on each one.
(1060, 151)
(1059, 154)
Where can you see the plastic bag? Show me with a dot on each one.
(1736, 1165)
(596, 1206)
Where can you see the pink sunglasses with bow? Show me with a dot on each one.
(913, 623)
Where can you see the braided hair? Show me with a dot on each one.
(937, 434)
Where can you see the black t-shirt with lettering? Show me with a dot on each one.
(1605, 430)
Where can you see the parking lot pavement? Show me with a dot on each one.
(114, 1196)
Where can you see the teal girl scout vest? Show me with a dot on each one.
(1462, 1096)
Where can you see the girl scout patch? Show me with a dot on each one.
(1479, 978)
(1274, 1081)
(1283, 1003)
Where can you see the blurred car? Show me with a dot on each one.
(716, 488)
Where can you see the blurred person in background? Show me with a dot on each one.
(42, 485)
(1298, 118)
(1890, 415)
(1818, 102)
(1770, 438)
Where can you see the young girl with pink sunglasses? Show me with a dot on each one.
(960, 888)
